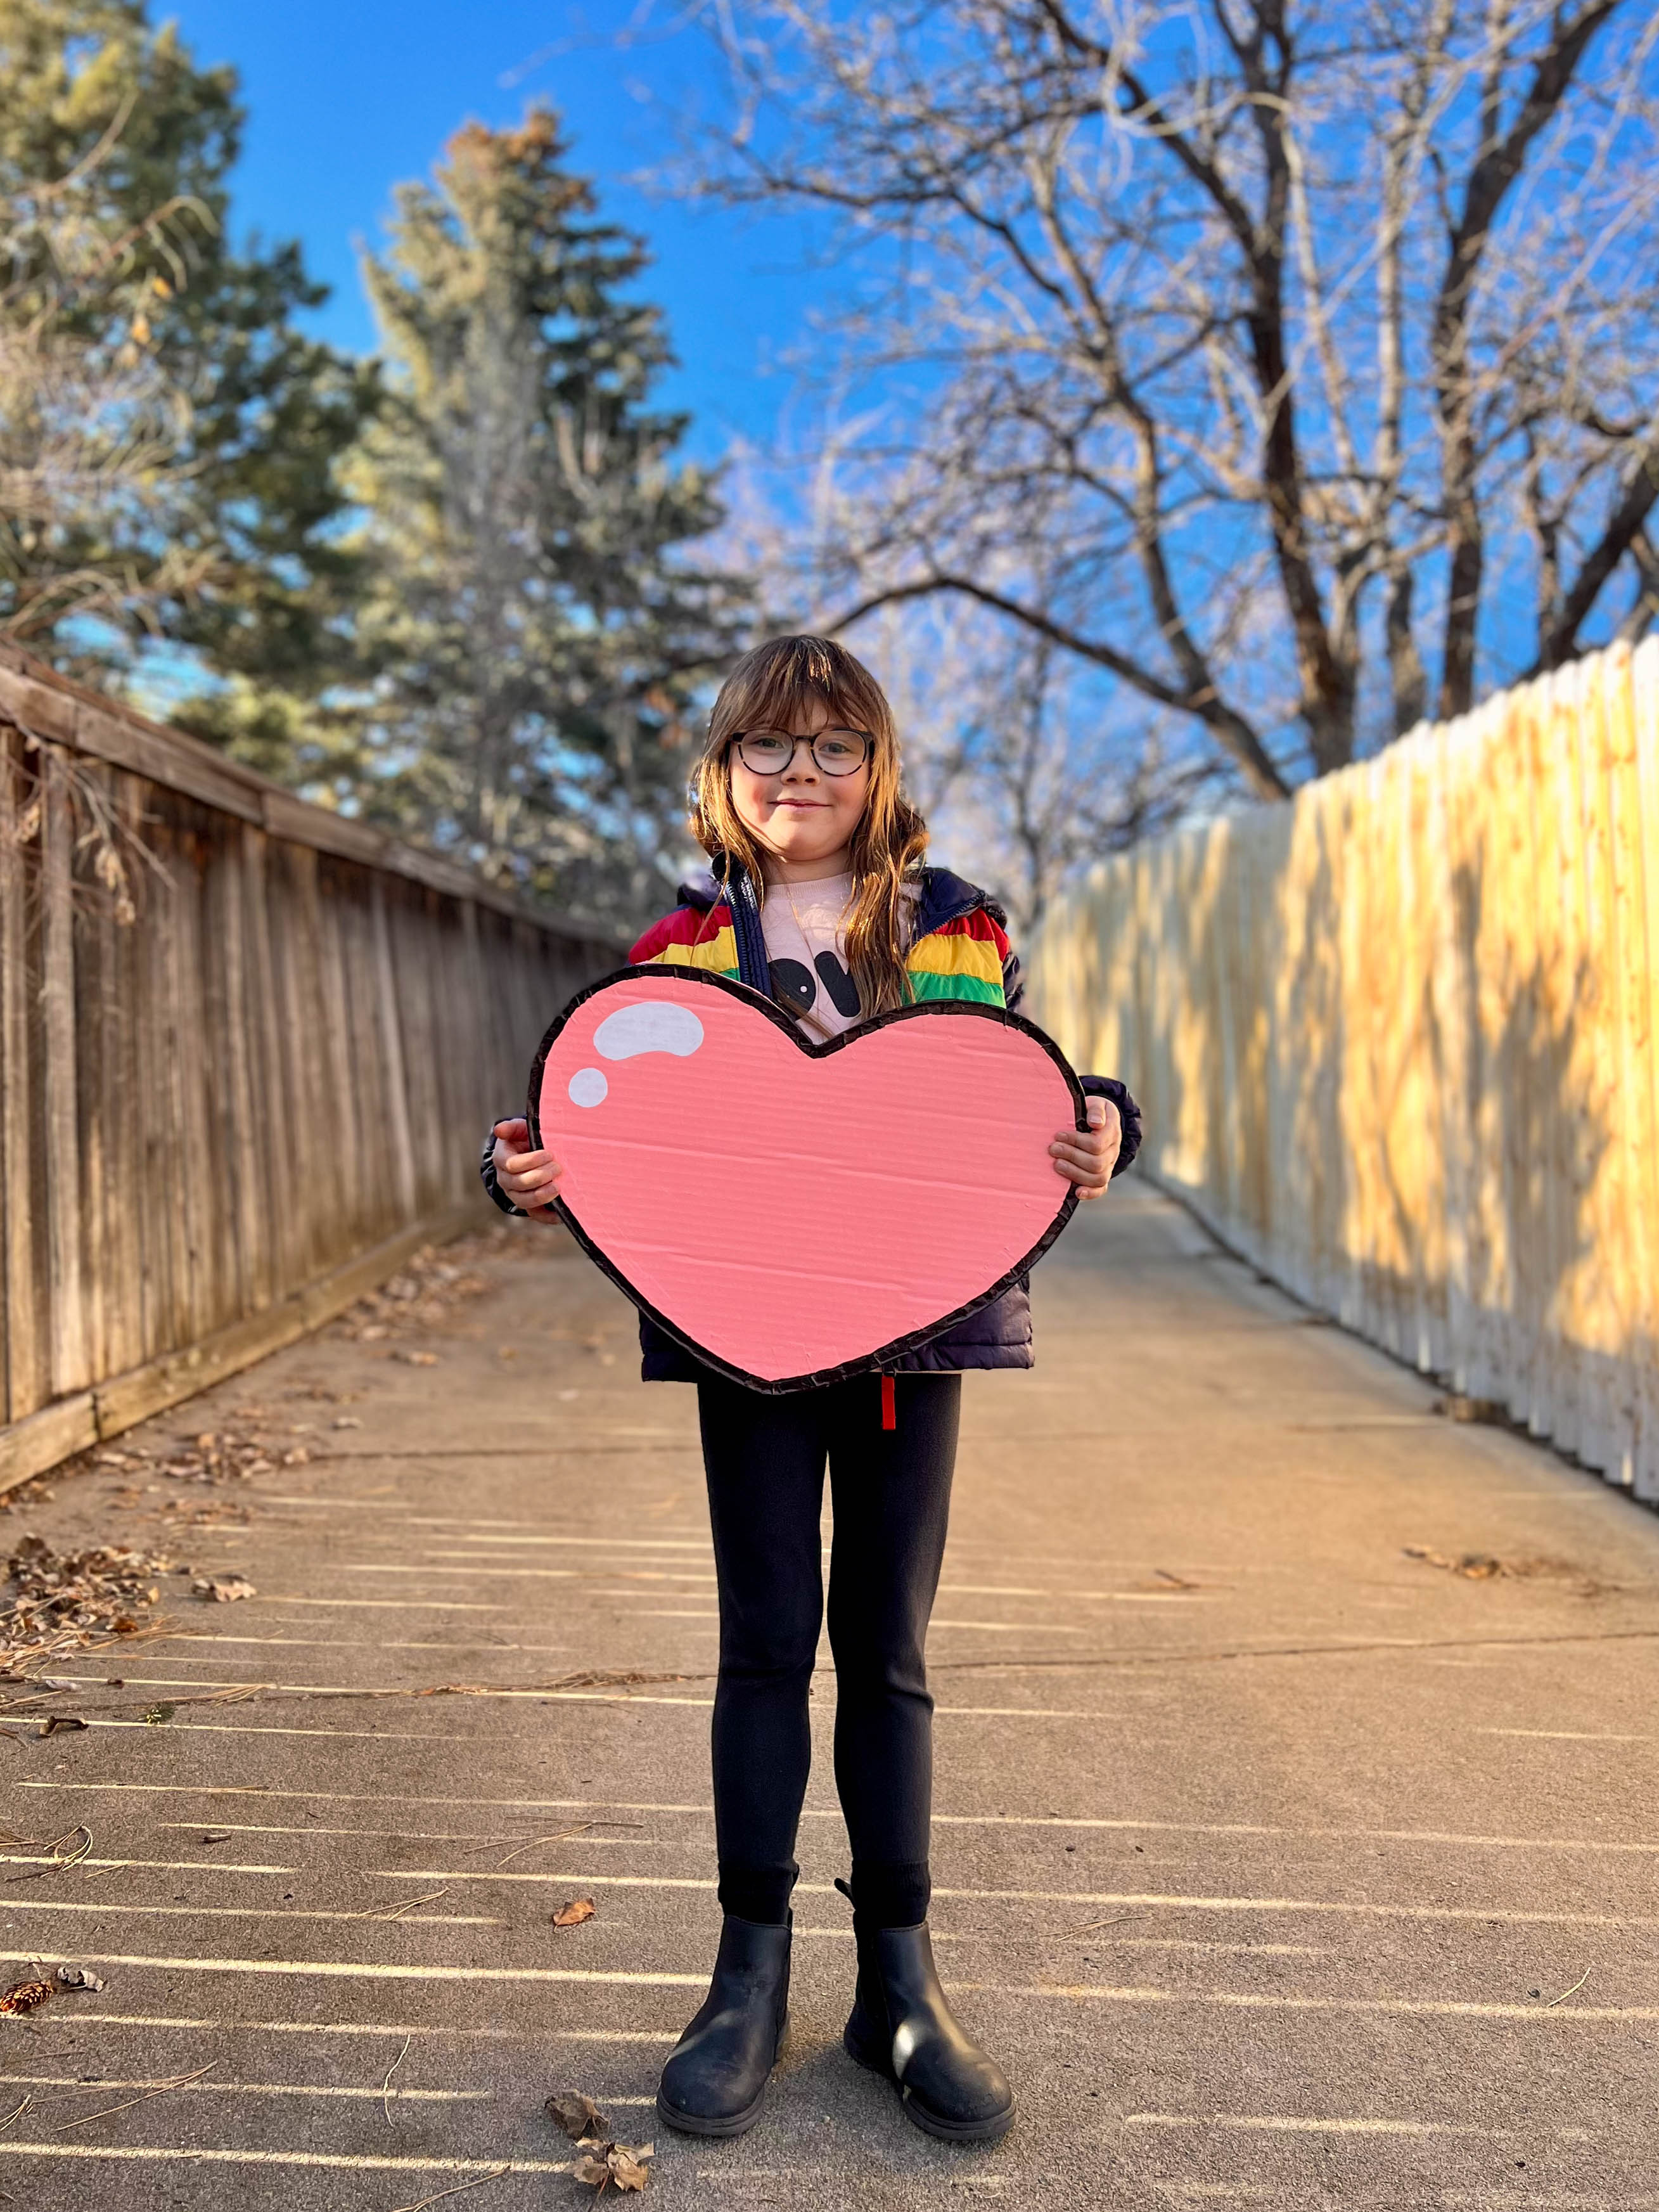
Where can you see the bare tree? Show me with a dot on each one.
(1051, 786)
(1016, 752)
(1253, 353)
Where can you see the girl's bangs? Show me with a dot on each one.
(789, 691)
(787, 682)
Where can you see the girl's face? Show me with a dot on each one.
(799, 814)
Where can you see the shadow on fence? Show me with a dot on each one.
(1396, 1041)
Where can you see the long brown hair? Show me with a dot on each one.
(767, 689)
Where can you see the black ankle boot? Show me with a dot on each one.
(715, 2080)
(902, 2025)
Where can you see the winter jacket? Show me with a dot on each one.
(959, 950)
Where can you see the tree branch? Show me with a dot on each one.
(1232, 730)
(1499, 162)
(1625, 524)
(1143, 106)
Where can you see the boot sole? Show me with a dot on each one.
(957, 2131)
(725, 2124)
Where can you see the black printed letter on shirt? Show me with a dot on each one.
(793, 986)
(843, 991)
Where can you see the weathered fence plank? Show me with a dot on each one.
(24, 1310)
(1399, 1042)
(247, 1049)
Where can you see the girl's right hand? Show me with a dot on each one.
(530, 1180)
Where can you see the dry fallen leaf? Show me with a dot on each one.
(225, 1592)
(1475, 1566)
(577, 2115)
(1483, 1567)
(56, 1721)
(615, 2166)
(420, 1358)
(79, 1977)
(24, 1996)
(1454, 1407)
(572, 1914)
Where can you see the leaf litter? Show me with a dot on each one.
(223, 1590)
(577, 2114)
(604, 2164)
(614, 2166)
(217, 1456)
(66, 1601)
(424, 1292)
(1485, 1567)
(572, 1914)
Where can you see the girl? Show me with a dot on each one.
(819, 898)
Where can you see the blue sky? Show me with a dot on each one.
(347, 98)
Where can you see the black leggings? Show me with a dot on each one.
(891, 1488)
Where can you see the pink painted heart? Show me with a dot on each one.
(796, 1212)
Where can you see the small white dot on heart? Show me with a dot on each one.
(587, 1087)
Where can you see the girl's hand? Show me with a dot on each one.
(530, 1180)
(1085, 1157)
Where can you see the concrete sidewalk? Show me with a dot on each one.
(1279, 1866)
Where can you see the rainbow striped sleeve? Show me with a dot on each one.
(686, 939)
(961, 959)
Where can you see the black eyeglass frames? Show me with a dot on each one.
(837, 752)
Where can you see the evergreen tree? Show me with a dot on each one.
(539, 625)
(168, 439)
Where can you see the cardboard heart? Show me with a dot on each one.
(796, 1212)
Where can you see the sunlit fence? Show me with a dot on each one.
(1395, 1043)
(248, 1048)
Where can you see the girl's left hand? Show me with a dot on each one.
(1085, 1157)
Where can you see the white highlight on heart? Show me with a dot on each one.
(587, 1087)
(647, 1028)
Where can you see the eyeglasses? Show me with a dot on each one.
(769, 752)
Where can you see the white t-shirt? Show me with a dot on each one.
(806, 952)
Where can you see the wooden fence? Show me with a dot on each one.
(1396, 1041)
(248, 1050)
